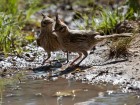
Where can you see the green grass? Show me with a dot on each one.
(12, 21)
(9, 6)
(105, 21)
(32, 7)
(134, 5)
(10, 29)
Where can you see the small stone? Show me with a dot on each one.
(38, 94)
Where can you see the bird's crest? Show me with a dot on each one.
(43, 15)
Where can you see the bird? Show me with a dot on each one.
(79, 41)
(47, 39)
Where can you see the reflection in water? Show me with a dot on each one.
(69, 92)
(59, 100)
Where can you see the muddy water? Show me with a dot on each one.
(42, 92)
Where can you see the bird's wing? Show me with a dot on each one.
(81, 35)
(77, 37)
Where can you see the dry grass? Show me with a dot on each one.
(119, 48)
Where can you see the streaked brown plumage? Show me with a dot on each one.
(47, 39)
(79, 41)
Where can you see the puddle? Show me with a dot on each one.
(66, 92)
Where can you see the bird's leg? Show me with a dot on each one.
(49, 55)
(93, 49)
(67, 57)
(85, 55)
(80, 55)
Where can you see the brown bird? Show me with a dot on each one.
(47, 39)
(79, 41)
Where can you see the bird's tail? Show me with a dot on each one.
(99, 37)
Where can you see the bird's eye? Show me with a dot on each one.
(61, 28)
(45, 22)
